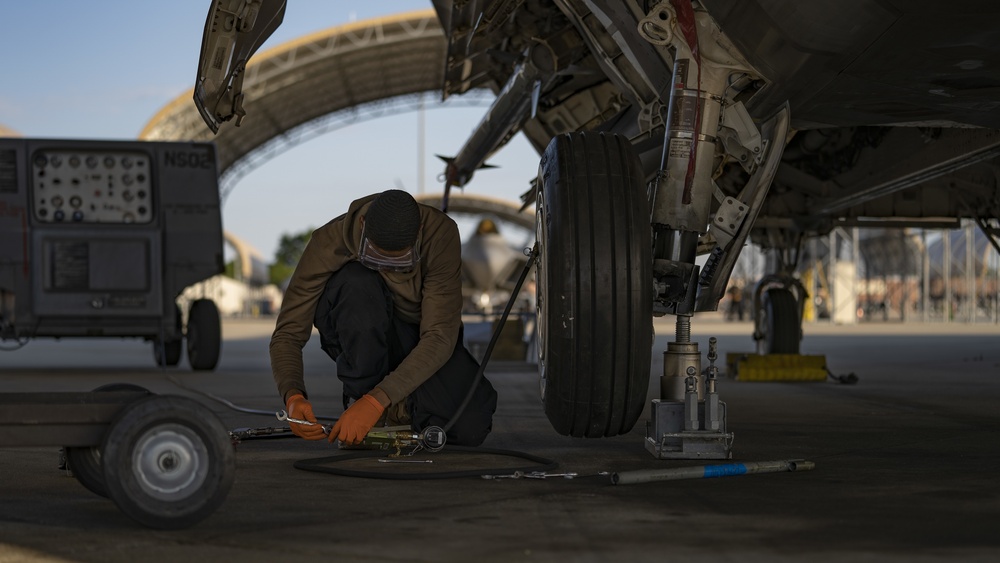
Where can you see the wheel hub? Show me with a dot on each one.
(169, 462)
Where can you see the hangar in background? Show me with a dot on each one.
(306, 86)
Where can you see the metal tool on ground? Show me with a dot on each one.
(530, 475)
(400, 438)
(431, 439)
(710, 471)
(468, 462)
(237, 435)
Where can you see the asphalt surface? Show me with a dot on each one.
(906, 466)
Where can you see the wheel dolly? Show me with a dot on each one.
(165, 460)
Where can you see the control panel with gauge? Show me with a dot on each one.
(99, 238)
(83, 186)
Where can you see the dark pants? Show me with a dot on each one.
(359, 330)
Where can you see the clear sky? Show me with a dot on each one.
(101, 69)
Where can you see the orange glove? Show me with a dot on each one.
(299, 407)
(357, 420)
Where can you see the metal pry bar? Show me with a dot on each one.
(710, 471)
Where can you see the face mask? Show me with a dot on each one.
(372, 258)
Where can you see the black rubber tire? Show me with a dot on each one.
(85, 463)
(168, 462)
(594, 285)
(168, 352)
(204, 335)
(784, 328)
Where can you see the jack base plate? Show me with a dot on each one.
(667, 437)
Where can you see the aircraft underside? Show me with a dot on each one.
(681, 129)
(778, 127)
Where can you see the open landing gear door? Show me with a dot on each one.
(235, 29)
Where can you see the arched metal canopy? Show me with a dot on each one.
(303, 80)
(483, 205)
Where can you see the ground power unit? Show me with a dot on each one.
(98, 239)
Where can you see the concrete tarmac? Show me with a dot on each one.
(906, 466)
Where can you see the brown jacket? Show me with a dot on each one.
(430, 295)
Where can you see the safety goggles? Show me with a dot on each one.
(373, 258)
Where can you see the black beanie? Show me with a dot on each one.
(392, 220)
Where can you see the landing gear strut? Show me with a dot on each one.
(705, 126)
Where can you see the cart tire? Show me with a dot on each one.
(204, 335)
(168, 461)
(168, 352)
(594, 285)
(781, 317)
(85, 463)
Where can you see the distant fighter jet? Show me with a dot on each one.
(492, 260)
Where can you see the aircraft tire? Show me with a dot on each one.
(204, 335)
(594, 285)
(784, 329)
(85, 462)
(168, 353)
(168, 462)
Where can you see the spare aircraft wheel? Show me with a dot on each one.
(204, 335)
(85, 462)
(594, 285)
(782, 322)
(168, 461)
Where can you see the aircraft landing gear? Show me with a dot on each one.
(594, 285)
(778, 301)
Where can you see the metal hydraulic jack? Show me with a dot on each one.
(688, 421)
